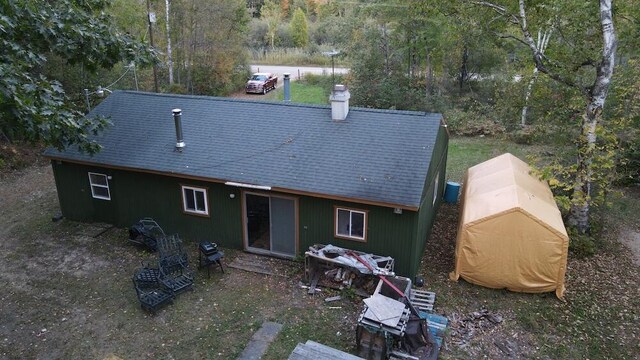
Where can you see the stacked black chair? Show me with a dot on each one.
(152, 294)
(157, 287)
(173, 265)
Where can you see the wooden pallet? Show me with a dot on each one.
(397, 330)
(423, 300)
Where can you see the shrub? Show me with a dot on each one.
(471, 123)
(629, 165)
(523, 136)
(324, 81)
(581, 245)
(535, 134)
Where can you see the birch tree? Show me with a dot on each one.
(167, 9)
(543, 41)
(578, 66)
(271, 13)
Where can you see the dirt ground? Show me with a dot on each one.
(598, 318)
(67, 294)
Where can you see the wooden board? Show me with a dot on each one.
(312, 350)
(423, 300)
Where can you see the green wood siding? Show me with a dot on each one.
(135, 195)
(388, 234)
(428, 210)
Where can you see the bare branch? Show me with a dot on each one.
(497, 8)
(538, 55)
(506, 36)
(539, 58)
(588, 62)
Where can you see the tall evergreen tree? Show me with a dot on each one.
(299, 29)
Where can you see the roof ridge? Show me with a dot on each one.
(278, 103)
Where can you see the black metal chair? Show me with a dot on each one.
(170, 247)
(146, 232)
(175, 274)
(151, 293)
(173, 265)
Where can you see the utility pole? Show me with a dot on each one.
(151, 17)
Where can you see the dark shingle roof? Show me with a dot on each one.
(374, 155)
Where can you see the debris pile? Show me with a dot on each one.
(465, 328)
(393, 326)
(331, 266)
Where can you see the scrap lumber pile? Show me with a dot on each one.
(397, 323)
(331, 266)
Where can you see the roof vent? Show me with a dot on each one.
(339, 102)
(177, 118)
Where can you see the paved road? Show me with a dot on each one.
(296, 71)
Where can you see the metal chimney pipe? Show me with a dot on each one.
(177, 118)
(287, 87)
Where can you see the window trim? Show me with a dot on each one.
(92, 185)
(195, 189)
(351, 210)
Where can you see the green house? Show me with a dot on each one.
(270, 178)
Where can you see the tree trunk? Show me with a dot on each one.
(385, 49)
(429, 75)
(169, 55)
(409, 40)
(155, 67)
(192, 47)
(525, 108)
(581, 197)
(543, 41)
(463, 67)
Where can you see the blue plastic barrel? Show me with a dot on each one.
(451, 192)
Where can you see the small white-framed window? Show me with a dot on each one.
(350, 224)
(99, 186)
(435, 188)
(195, 200)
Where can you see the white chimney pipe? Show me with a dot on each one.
(177, 118)
(339, 102)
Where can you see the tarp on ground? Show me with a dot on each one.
(511, 233)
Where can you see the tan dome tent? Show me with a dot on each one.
(511, 234)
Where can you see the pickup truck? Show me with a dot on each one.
(261, 83)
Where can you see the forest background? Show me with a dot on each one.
(562, 74)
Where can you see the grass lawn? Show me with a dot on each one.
(67, 292)
(302, 93)
(597, 320)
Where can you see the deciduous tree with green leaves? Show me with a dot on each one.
(271, 13)
(582, 57)
(35, 108)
